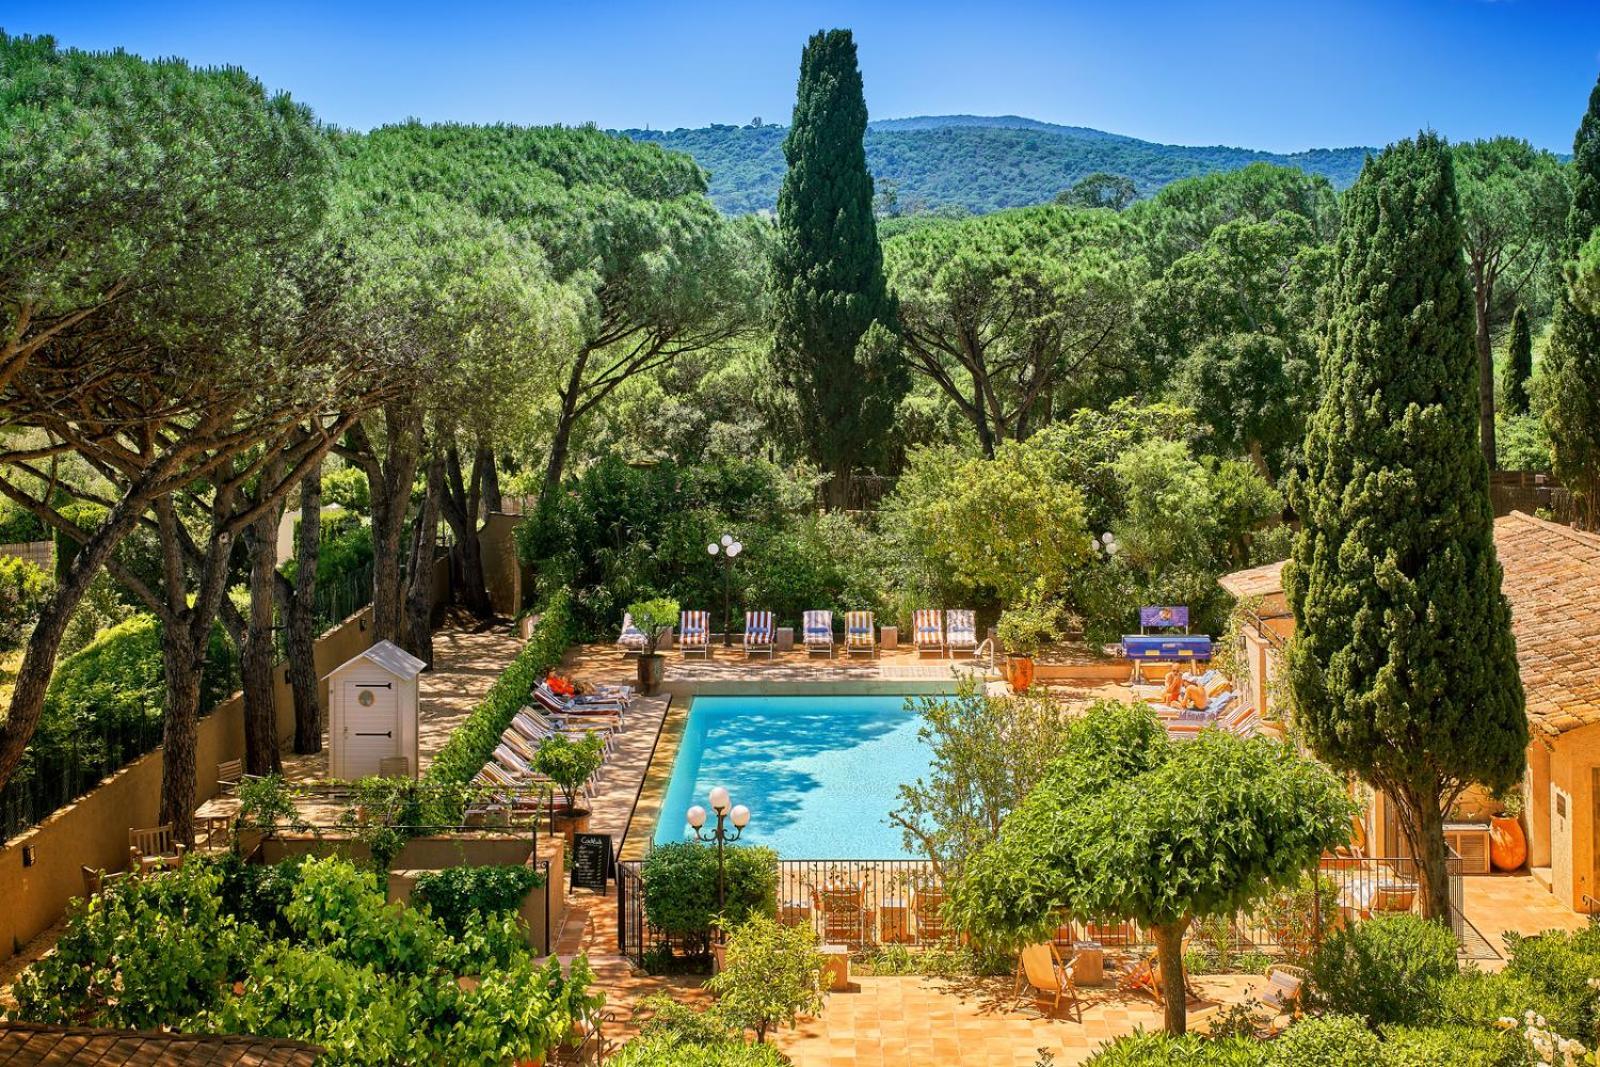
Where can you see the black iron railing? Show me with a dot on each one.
(870, 904)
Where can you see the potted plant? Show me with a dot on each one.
(570, 763)
(1023, 630)
(654, 618)
(1508, 845)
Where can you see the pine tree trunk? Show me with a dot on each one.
(389, 480)
(179, 724)
(838, 496)
(459, 505)
(1169, 953)
(300, 619)
(493, 501)
(561, 441)
(418, 635)
(257, 653)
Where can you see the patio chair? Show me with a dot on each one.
(927, 907)
(533, 728)
(694, 633)
(860, 633)
(229, 773)
(632, 641)
(568, 708)
(845, 917)
(1285, 986)
(153, 849)
(817, 632)
(960, 632)
(759, 633)
(927, 631)
(1040, 969)
(1145, 977)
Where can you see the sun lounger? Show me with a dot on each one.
(960, 632)
(632, 640)
(759, 633)
(567, 708)
(694, 633)
(860, 635)
(1040, 969)
(927, 631)
(817, 632)
(846, 920)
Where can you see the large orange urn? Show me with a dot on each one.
(1508, 846)
(1019, 672)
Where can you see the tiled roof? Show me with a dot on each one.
(1552, 578)
(1263, 581)
(32, 1045)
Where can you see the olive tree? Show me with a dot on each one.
(1129, 825)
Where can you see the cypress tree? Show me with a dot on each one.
(832, 345)
(1403, 667)
(1519, 366)
(1570, 384)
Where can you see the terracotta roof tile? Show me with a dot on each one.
(33, 1045)
(1552, 579)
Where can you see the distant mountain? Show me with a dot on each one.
(976, 162)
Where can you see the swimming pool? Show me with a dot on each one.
(820, 774)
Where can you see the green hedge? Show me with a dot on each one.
(453, 894)
(472, 745)
(19, 527)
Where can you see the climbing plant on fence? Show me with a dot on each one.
(472, 745)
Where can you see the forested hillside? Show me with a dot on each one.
(975, 162)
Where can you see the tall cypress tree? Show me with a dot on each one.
(1570, 384)
(833, 347)
(1519, 366)
(1403, 666)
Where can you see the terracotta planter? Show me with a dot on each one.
(537, 1061)
(651, 670)
(1508, 846)
(1019, 672)
(719, 956)
(569, 823)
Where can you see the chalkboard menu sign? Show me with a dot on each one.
(591, 861)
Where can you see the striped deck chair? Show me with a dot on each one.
(633, 639)
(817, 632)
(567, 709)
(960, 632)
(694, 633)
(759, 634)
(860, 634)
(927, 631)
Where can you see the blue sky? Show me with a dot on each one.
(1270, 74)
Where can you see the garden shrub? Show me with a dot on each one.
(145, 953)
(680, 886)
(23, 590)
(772, 975)
(1560, 965)
(19, 526)
(1160, 1050)
(1326, 1041)
(1480, 998)
(1385, 969)
(348, 488)
(473, 742)
(1459, 1046)
(453, 894)
(677, 1035)
(257, 893)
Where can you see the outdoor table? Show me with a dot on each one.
(215, 815)
(1088, 963)
(889, 636)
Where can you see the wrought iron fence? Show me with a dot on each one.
(869, 904)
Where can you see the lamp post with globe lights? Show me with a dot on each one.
(726, 812)
(728, 549)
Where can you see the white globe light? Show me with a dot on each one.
(740, 816)
(712, 548)
(727, 539)
(735, 548)
(719, 798)
(1108, 537)
(697, 816)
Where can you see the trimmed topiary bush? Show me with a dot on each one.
(680, 886)
(1560, 965)
(1326, 1041)
(1385, 969)
(1480, 998)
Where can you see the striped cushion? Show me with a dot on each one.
(694, 627)
(858, 627)
(632, 636)
(819, 626)
(758, 627)
(925, 624)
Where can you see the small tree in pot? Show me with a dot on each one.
(1024, 628)
(654, 618)
(570, 763)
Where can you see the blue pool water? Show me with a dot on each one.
(819, 774)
